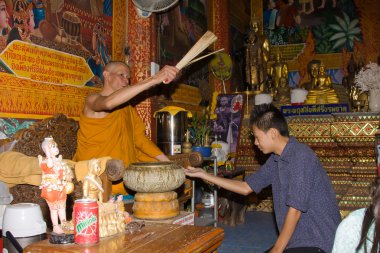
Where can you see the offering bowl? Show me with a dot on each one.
(153, 177)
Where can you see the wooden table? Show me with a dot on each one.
(154, 237)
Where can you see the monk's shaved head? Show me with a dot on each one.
(110, 67)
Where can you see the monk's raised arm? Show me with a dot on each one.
(117, 90)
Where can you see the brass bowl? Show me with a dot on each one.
(154, 176)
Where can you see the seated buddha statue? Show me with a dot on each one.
(283, 92)
(278, 70)
(312, 70)
(322, 92)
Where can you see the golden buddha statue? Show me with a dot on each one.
(322, 92)
(278, 70)
(256, 57)
(283, 91)
(92, 184)
(312, 69)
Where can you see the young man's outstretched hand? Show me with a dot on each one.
(194, 172)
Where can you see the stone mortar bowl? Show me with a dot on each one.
(154, 176)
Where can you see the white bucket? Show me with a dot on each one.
(25, 222)
(5, 199)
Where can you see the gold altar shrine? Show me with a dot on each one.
(345, 145)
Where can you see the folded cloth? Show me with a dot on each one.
(17, 168)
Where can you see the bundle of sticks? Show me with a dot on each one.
(204, 42)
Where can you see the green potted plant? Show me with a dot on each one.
(199, 128)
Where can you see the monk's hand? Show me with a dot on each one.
(167, 74)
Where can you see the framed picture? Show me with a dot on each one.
(226, 127)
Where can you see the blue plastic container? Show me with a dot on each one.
(205, 151)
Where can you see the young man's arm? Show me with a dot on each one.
(228, 184)
(291, 221)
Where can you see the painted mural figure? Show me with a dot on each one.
(324, 3)
(23, 21)
(4, 26)
(39, 7)
(288, 14)
(270, 14)
(100, 59)
(56, 183)
(304, 3)
(256, 57)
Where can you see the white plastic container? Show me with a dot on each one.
(25, 222)
(5, 199)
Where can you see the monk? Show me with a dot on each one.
(109, 126)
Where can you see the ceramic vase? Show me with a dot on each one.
(374, 100)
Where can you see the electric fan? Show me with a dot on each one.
(154, 6)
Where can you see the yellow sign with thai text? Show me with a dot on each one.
(43, 64)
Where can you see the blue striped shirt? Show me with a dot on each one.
(298, 180)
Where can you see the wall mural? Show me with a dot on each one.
(179, 29)
(58, 41)
(65, 43)
(8, 127)
(334, 26)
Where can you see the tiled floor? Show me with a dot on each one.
(256, 235)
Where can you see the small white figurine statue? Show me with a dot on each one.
(220, 149)
(56, 183)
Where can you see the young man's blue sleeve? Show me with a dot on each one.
(263, 177)
(301, 181)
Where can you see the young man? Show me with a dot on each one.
(304, 201)
(109, 126)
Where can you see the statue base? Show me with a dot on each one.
(314, 109)
(61, 238)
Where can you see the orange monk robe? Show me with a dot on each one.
(121, 135)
